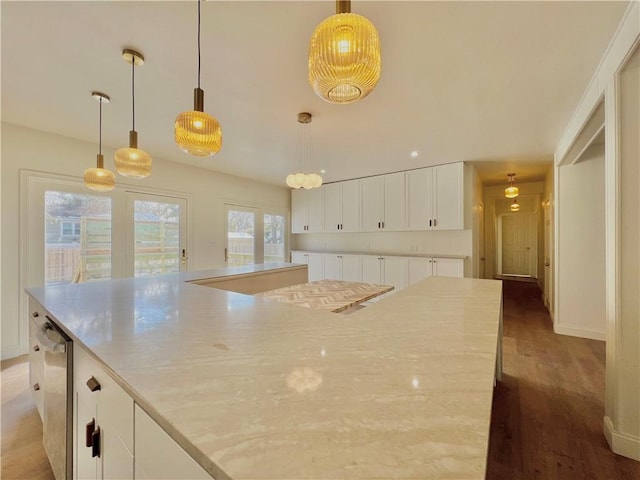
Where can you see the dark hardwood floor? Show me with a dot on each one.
(546, 420)
(548, 409)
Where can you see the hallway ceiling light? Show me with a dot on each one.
(196, 132)
(511, 191)
(515, 206)
(132, 162)
(99, 178)
(304, 153)
(344, 56)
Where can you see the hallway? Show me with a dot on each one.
(548, 410)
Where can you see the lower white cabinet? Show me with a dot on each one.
(419, 268)
(158, 456)
(385, 270)
(36, 358)
(314, 262)
(103, 423)
(342, 266)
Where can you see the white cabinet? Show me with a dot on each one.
(419, 268)
(342, 206)
(103, 423)
(313, 261)
(36, 358)
(385, 270)
(342, 266)
(307, 207)
(158, 456)
(383, 203)
(435, 198)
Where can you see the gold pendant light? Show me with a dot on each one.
(304, 180)
(511, 191)
(196, 132)
(515, 206)
(344, 56)
(99, 178)
(132, 162)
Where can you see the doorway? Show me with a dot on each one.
(517, 240)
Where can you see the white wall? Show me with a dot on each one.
(548, 256)
(581, 252)
(24, 148)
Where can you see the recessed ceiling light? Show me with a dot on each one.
(414, 154)
(323, 171)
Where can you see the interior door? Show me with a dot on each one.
(516, 244)
(156, 241)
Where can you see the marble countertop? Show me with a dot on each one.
(423, 255)
(257, 389)
(331, 295)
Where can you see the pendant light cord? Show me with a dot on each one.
(100, 134)
(199, 43)
(133, 90)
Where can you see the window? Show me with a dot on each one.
(274, 235)
(70, 229)
(240, 236)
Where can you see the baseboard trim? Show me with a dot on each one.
(620, 443)
(579, 332)
(11, 351)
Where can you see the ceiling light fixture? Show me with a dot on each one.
(99, 178)
(344, 56)
(414, 154)
(511, 191)
(132, 162)
(515, 206)
(304, 154)
(196, 132)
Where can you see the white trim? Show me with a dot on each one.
(620, 443)
(11, 351)
(590, 333)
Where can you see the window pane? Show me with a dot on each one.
(240, 236)
(274, 238)
(77, 237)
(156, 237)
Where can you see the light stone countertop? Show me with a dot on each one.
(257, 389)
(386, 254)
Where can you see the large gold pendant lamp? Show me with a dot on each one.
(132, 162)
(99, 178)
(511, 191)
(344, 56)
(196, 132)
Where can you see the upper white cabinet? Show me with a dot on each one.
(307, 210)
(342, 206)
(435, 198)
(383, 203)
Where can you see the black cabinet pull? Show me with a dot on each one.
(95, 443)
(36, 386)
(435, 222)
(382, 224)
(36, 348)
(88, 433)
(430, 222)
(35, 314)
(93, 384)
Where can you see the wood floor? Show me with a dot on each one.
(546, 419)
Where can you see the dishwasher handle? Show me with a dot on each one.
(53, 345)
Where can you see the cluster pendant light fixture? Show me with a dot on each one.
(303, 150)
(196, 132)
(511, 191)
(99, 178)
(133, 162)
(344, 56)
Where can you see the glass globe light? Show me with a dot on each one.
(344, 58)
(299, 180)
(315, 180)
(132, 162)
(515, 206)
(98, 178)
(511, 192)
(198, 133)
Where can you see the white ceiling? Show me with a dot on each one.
(490, 82)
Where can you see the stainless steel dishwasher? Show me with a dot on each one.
(58, 397)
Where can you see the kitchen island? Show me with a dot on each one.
(257, 389)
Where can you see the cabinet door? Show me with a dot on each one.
(299, 211)
(419, 198)
(394, 203)
(350, 206)
(395, 273)
(419, 269)
(351, 268)
(371, 270)
(316, 266)
(372, 197)
(315, 198)
(332, 266)
(36, 359)
(448, 267)
(448, 205)
(332, 207)
(158, 456)
(300, 258)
